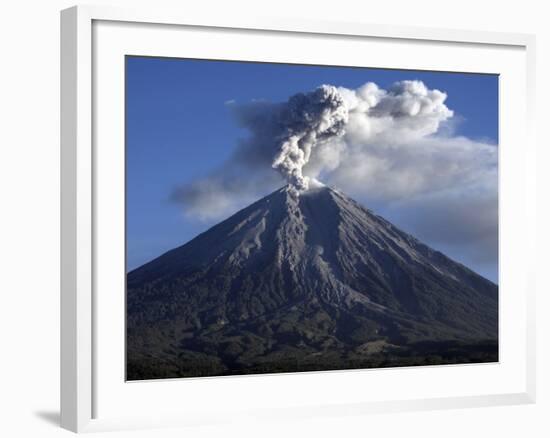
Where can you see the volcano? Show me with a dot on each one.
(301, 283)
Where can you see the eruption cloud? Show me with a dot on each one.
(408, 110)
(382, 145)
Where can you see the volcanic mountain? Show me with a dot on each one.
(309, 282)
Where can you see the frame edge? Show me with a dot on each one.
(68, 223)
(76, 218)
(530, 87)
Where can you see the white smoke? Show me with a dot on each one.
(407, 111)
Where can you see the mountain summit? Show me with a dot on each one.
(305, 283)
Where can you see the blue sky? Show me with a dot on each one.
(179, 128)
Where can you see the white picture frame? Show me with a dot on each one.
(83, 369)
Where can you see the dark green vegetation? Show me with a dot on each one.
(314, 283)
(241, 355)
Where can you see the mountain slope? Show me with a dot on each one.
(314, 282)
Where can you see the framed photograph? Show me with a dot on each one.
(253, 208)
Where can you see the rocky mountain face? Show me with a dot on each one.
(305, 283)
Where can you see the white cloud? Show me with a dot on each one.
(392, 171)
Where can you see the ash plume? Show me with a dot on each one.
(307, 120)
(314, 132)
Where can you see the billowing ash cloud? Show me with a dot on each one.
(408, 111)
(322, 125)
(306, 121)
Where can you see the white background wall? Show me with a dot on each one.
(29, 215)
